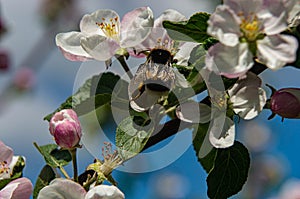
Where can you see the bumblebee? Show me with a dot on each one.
(156, 74)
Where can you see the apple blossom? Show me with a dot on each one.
(246, 98)
(248, 29)
(65, 127)
(63, 188)
(102, 34)
(20, 188)
(286, 102)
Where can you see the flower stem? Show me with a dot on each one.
(74, 160)
(63, 171)
(125, 66)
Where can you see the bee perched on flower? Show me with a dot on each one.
(156, 77)
(153, 79)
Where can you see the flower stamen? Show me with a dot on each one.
(110, 27)
(111, 159)
(4, 167)
(251, 27)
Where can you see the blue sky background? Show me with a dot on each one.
(21, 117)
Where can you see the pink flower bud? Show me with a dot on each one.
(65, 127)
(286, 102)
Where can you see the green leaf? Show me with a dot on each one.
(46, 176)
(94, 93)
(192, 30)
(53, 156)
(207, 162)
(17, 172)
(229, 173)
(131, 138)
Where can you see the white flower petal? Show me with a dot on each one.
(224, 25)
(6, 153)
(229, 61)
(169, 15)
(249, 79)
(245, 7)
(225, 138)
(62, 188)
(20, 188)
(159, 33)
(274, 17)
(105, 192)
(99, 47)
(136, 27)
(193, 112)
(88, 22)
(69, 43)
(183, 54)
(247, 97)
(249, 102)
(277, 50)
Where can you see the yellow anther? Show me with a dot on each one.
(110, 28)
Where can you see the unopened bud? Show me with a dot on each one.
(286, 102)
(65, 127)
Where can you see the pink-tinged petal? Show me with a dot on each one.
(159, 35)
(273, 16)
(88, 23)
(69, 43)
(136, 26)
(20, 188)
(224, 25)
(6, 153)
(229, 61)
(276, 51)
(244, 6)
(193, 112)
(105, 192)
(99, 47)
(183, 54)
(62, 188)
(225, 138)
(169, 15)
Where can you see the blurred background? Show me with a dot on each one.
(35, 79)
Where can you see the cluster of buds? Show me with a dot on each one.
(66, 129)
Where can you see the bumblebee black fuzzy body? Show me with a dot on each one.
(156, 74)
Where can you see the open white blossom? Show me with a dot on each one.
(102, 34)
(247, 29)
(246, 99)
